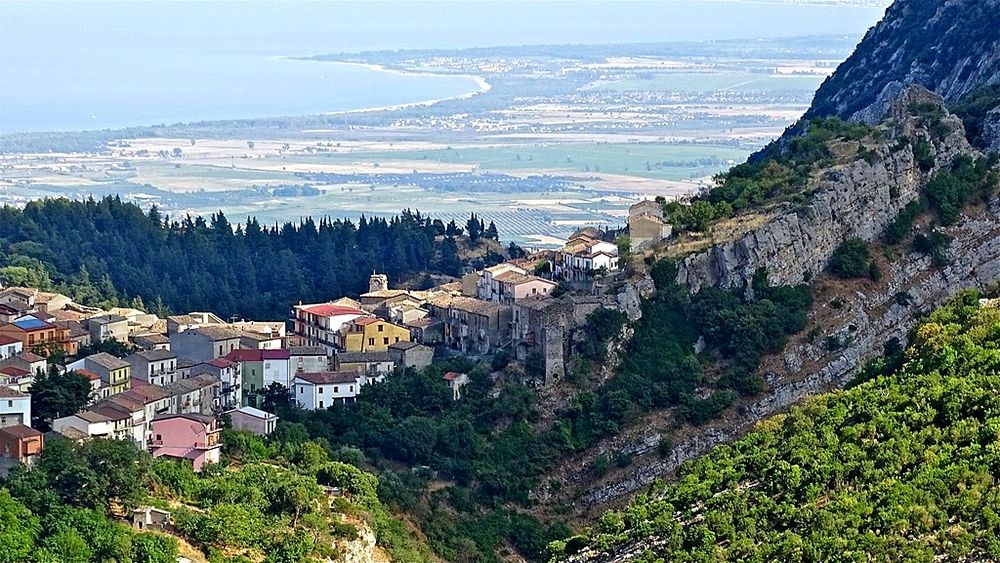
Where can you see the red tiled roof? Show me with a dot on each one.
(279, 354)
(331, 310)
(14, 372)
(5, 340)
(20, 431)
(451, 376)
(220, 363)
(88, 374)
(366, 321)
(244, 355)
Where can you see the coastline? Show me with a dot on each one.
(481, 83)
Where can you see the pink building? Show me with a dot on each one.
(187, 436)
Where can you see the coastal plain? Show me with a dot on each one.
(549, 142)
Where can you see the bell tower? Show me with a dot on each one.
(378, 282)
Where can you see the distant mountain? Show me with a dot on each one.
(950, 47)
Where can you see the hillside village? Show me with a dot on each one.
(167, 384)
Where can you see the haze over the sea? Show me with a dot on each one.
(82, 65)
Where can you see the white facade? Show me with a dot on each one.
(319, 391)
(86, 423)
(10, 349)
(15, 408)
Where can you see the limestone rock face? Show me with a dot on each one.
(951, 48)
(857, 200)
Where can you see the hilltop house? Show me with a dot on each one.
(320, 390)
(36, 334)
(583, 255)
(115, 373)
(253, 420)
(456, 381)
(320, 324)
(472, 325)
(10, 347)
(108, 327)
(15, 408)
(370, 334)
(646, 225)
(158, 367)
(19, 444)
(187, 436)
(228, 373)
(204, 343)
(410, 355)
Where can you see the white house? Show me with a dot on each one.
(318, 324)
(86, 424)
(9, 347)
(253, 420)
(15, 408)
(320, 390)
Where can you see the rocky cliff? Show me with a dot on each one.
(950, 47)
(854, 200)
(857, 200)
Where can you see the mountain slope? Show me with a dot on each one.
(951, 48)
(897, 469)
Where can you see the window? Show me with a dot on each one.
(397, 339)
(381, 328)
(159, 438)
(336, 389)
(320, 389)
(10, 403)
(371, 341)
(220, 349)
(385, 340)
(301, 390)
(352, 388)
(321, 404)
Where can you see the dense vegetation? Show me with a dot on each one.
(973, 109)
(110, 251)
(900, 468)
(778, 173)
(852, 259)
(492, 449)
(269, 507)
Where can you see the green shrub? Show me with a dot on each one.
(851, 259)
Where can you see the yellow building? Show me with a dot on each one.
(371, 334)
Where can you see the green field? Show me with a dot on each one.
(716, 82)
(650, 160)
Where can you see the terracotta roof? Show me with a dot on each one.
(423, 323)
(14, 371)
(367, 321)
(110, 411)
(328, 377)
(452, 376)
(8, 393)
(30, 357)
(94, 416)
(244, 355)
(6, 340)
(220, 363)
(278, 354)
(124, 400)
(145, 393)
(330, 310)
(87, 373)
(20, 431)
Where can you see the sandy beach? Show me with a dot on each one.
(481, 83)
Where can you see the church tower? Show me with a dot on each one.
(378, 282)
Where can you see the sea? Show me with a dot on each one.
(106, 65)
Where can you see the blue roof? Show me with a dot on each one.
(31, 324)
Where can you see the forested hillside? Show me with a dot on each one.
(108, 250)
(268, 502)
(898, 468)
